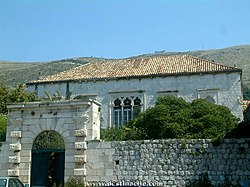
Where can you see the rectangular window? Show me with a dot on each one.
(117, 117)
(168, 92)
(209, 94)
(127, 114)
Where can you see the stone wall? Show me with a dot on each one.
(4, 162)
(169, 162)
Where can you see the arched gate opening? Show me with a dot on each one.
(48, 160)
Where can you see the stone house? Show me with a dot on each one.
(126, 87)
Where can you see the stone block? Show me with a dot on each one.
(80, 172)
(16, 134)
(69, 165)
(35, 129)
(93, 178)
(80, 158)
(15, 147)
(69, 145)
(70, 139)
(27, 146)
(81, 145)
(23, 172)
(14, 159)
(25, 159)
(29, 122)
(59, 124)
(69, 158)
(95, 144)
(27, 133)
(27, 140)
(81, 132)
(13, 172)
(25, 153)
(16, 121)
(69, 172)
(109, 172)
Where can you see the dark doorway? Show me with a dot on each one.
(48, 160)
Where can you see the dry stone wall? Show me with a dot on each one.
(169, 162)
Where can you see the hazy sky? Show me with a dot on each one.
(44, 30)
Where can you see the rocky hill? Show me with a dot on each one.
(14, 73)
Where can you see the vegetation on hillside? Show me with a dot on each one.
(173, 117)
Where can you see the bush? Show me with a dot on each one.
(12, 95)
(120, 133)
(173, 117)
(242, 130)
(74, 182)
(3, 125)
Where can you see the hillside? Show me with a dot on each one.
(13, 73)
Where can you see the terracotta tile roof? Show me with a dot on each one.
(139, 67)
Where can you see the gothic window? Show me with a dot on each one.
(125, 109)
(137, 107)
(117, 112)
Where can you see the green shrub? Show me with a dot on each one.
(3, 125)
(173, 117)
(74, 182)
(119, 133)
(12, 95)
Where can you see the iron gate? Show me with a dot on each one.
(47, 168)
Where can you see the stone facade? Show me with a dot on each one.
(168, 162)
(222, 88)
(76, 121)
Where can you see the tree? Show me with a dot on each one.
(11, 95)
(173, 117)
(3, 122)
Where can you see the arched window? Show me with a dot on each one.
(137, 107)
(117, 112)
(125, 109)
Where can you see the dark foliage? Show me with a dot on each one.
(242, 130)
(11, 95)
(173, 117)
(14, 95)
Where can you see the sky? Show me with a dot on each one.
(46, 30)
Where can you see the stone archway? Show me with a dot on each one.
(76, 122)
(48, 160)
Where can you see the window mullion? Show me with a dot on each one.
(122, 113)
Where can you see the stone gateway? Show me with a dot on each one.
(46, 141)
